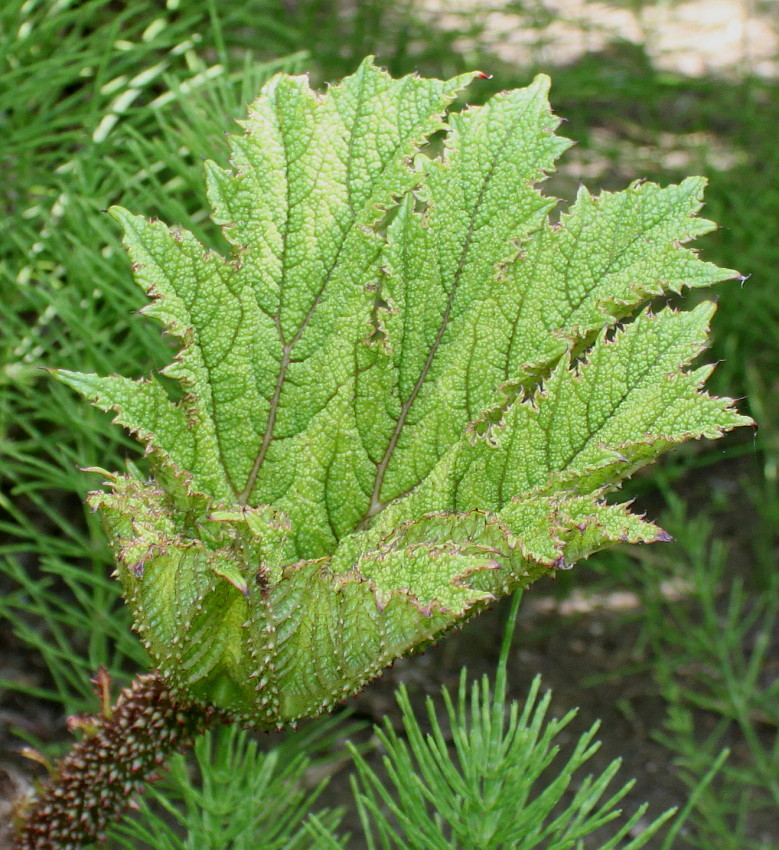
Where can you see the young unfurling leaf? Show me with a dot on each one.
(406, 392)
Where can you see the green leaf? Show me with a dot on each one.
(405, 393)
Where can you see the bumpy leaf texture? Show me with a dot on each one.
(405, 393)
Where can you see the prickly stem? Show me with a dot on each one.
(123, 748)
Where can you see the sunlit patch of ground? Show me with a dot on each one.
(691, 37)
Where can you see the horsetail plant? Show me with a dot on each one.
(405, 393)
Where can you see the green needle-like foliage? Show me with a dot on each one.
(405, 393)
(238, 799)
(489, 790)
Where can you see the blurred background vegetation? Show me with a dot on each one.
(104, 101)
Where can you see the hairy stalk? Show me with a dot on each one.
(123, 748)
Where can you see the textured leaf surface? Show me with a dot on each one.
(405, 393)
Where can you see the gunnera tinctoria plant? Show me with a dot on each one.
(404, 394)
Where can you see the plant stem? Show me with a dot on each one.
(123, 748)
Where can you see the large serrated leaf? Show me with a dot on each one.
(404, 394)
